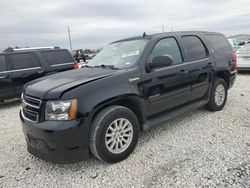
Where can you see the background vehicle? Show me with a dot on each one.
(22, 66)
(79, 55)
(235, 44)
(130, 86)
(243, 57)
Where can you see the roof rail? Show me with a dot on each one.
(37, 48)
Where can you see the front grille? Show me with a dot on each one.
(30, 108)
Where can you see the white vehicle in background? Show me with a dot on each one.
(243, 57)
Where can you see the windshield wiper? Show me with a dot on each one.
(108, 66)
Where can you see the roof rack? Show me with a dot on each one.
(37, 48)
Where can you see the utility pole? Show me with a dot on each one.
(70, 44)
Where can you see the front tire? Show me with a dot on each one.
(114, 134)
(218, 96)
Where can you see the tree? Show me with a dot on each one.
(87, 51)
(9, 49)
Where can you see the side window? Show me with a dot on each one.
(195, 48)
(24, 61)
(58, 57)
(2, 63)
(167, 46)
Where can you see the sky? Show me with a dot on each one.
(95, 23)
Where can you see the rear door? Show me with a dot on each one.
(25, 68)
(200, 65)
(6, 86)
(168, 87)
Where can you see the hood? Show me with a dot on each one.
(52, 87)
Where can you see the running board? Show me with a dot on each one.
(173, 113)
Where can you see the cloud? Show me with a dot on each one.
(95, 23)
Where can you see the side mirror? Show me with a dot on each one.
(160, 62)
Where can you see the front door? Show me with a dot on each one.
(6, 86)
(167, 87)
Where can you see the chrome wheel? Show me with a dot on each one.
(119, 135)
(220, 94)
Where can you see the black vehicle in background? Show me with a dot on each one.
(132, 85)
(79, 55)
(24, 65)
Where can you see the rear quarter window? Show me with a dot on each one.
(219, 43)
(58, 57)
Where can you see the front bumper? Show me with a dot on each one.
(57, 141)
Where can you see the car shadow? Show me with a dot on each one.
(9, 103)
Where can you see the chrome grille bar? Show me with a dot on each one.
(30, 108)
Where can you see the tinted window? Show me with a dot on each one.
(2, 63)
(167, 46)
(219, 44)
(194, 47)
(58, 57)
(24, 61)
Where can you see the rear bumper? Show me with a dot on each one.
(57, 142)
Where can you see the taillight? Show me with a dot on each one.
(76, 66)
(235, 62)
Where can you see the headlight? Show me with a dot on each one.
(61, 110)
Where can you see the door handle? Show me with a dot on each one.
(210, 64)
(182, 72)
(40, 71)
(3, 77)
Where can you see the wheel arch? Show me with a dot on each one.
(224, 74)
(131, 101)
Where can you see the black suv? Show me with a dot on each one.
(22, 66)
(130, 86)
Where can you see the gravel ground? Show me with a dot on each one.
(196, 149)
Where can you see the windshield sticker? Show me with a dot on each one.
(132, 53)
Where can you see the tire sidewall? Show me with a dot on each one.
(212, 102)
(104, 123)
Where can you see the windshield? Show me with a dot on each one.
(245, 48)
(121, 55)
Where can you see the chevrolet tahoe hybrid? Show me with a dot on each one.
(132, 85)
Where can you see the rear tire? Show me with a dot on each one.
(218, 95)
(114, 134)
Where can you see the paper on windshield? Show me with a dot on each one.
(132, 53)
